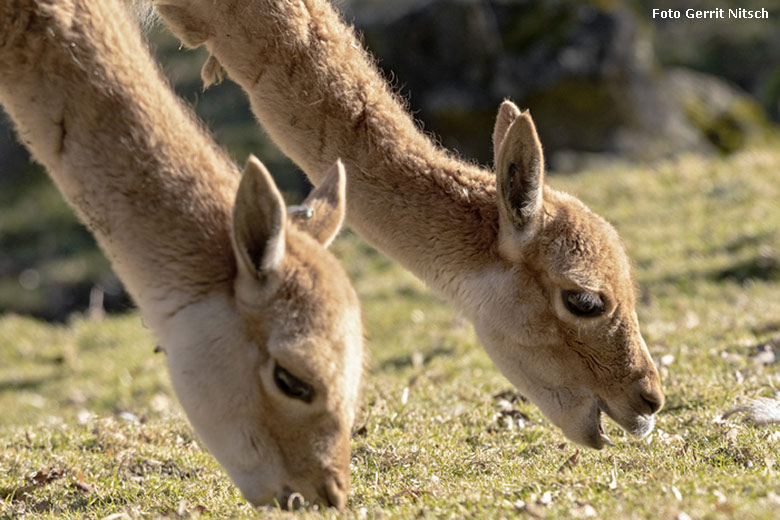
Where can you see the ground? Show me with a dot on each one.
(90, 428)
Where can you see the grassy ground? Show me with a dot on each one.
(89, 426)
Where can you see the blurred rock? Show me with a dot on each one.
(586, 72)
(747, 51)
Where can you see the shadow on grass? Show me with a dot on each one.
(15, 493)
(759, 268)
(747, 240)
(77, 497)
(401, 362)
(28, 383)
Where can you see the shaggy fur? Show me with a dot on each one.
(504, 248)
(233, 292)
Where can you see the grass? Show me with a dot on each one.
(90, 429)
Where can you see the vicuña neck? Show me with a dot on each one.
(315, 91)
(87, 101)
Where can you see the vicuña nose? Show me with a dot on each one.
(335, 493)
(653, 399)
(650, 393)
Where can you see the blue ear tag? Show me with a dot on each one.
(300, 211)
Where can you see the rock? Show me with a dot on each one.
(586, 71)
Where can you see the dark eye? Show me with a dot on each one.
(291, 386)
(584, 304)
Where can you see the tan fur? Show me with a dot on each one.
(502, 250)
(232, 292)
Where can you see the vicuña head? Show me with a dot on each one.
(269, 371)
(563, 273)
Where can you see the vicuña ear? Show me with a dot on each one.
(258, 222)
(325, 207)
(192, 30)
(507, 113)
(520, 175)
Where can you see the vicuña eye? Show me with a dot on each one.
(291, 386)
(584, 304)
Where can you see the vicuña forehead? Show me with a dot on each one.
(316, 308)
(313, 268)
(582, 246)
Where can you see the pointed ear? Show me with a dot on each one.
(191, 30)
(258, 222)
(520, 176)
(325, 207)
(507, 113)
(212, 72)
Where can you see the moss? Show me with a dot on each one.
(731, 129)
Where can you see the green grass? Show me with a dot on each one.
(89, 426)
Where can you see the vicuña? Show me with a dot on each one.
(545, 281)
(260, 324)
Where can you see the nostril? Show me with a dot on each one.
(653, 400)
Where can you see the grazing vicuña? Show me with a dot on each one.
(260, 324)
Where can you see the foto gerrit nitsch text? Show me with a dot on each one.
(740, 13)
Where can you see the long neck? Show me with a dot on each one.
(320, 97)
(88, 101)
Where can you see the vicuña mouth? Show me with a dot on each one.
(639, 425)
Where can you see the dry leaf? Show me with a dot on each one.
(613, 482)
(570, 462)
(46, 475)
(81, 486)
(767, 353)
(583, 511)
(534, 510)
